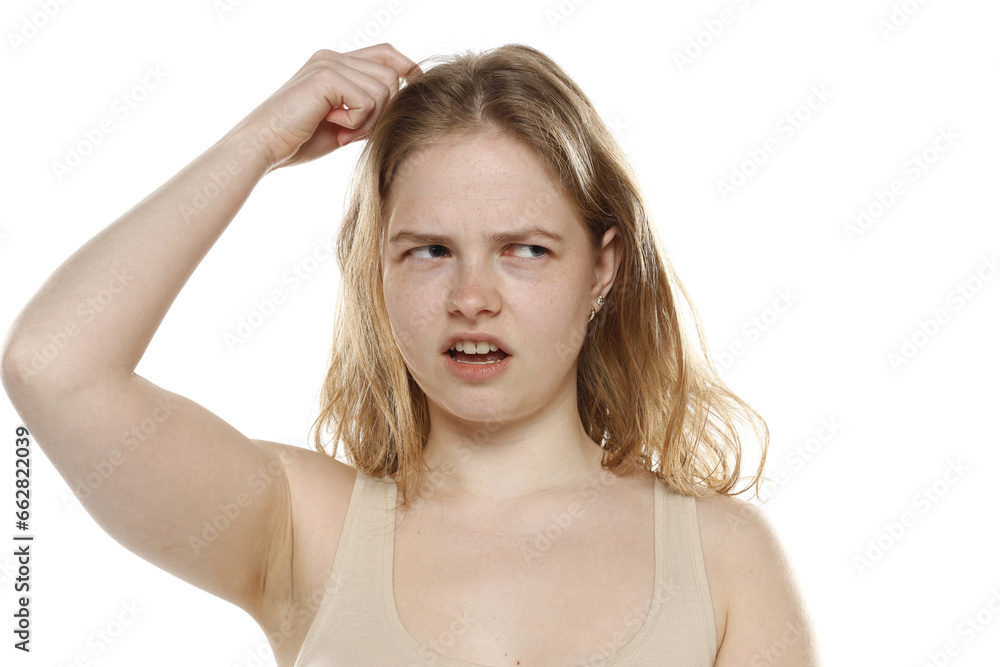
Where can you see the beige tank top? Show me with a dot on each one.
(357, 624)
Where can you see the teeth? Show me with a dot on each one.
(472, 347)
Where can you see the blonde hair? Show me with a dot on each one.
(645, 393)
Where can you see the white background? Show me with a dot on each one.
(686, 127)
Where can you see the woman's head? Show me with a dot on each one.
(496, 142)
(446, 274)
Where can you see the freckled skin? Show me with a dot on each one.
(538, 302)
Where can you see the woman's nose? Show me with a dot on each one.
(475, 290)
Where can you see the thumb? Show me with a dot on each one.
(349, 136)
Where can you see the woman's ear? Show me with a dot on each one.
(607, 261)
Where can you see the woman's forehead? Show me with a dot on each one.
(492, 176)
(476, 167)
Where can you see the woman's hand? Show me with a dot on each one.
(306, 119)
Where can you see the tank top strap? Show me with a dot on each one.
(683, 596)
(354, 588)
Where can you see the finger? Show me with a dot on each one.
(378, 89)
(381, 82)
(345, 92)
(386, 54)
(323, 141)
(386, 76)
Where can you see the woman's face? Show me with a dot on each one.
(533, 292)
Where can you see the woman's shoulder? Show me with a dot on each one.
(719, 511)
(731, 529)
(314, 479)
(747, 567)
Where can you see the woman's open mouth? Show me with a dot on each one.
(491, 357)
(477, 367)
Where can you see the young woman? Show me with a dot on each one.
(542, 462)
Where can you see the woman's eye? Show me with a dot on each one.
(533, 247)
(422, 248)
(530, 255)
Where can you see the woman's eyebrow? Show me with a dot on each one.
(407, 235)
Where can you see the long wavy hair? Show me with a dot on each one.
(646, 392)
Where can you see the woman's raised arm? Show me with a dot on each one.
(165, 477)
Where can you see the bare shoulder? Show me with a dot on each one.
(319, 493)
(766, 621)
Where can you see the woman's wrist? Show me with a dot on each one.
(248, 145)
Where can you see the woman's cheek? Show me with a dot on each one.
(411, 316)
(556, 306)
(565, 328)
(394, 308)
